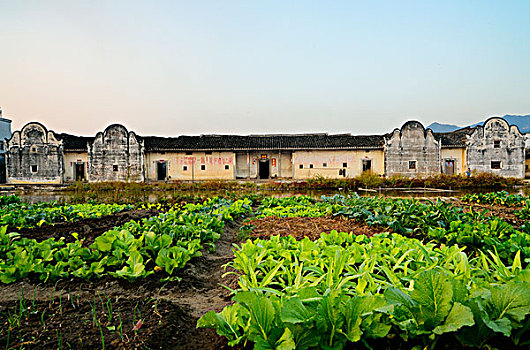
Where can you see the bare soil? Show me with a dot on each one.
(309, 227)
(505, 213)
(75, 313)
(86, 228)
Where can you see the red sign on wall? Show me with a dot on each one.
(273, 161)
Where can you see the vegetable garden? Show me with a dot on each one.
(267, 273)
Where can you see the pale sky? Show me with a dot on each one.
(203, 67)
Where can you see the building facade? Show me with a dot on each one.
(5, 134)
(412, 151)
(116, 155)
(37, 155)
(34, 155)
(497, 147)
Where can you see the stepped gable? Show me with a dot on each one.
(263, 142)
(74, 143)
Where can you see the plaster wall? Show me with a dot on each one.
(34, 155)
(458, 155)
(412, 143)
(497, 141)
(327, 163)
(194, 166)
(279, 164)
(116, 155)
(70, 161)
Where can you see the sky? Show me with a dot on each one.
(173, 68)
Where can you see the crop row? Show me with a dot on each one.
(502, 198)
(136, 249)
(430, 221)
(18, 215)
(345, 288)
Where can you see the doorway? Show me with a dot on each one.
(367, 166)
(449, 166)
(264, 169)
(79, 172)
(161, 171)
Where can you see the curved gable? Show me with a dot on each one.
(116, 154)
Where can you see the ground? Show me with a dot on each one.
(168, 311)
(146, 314)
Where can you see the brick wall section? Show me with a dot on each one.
(412, 143)
(34, 156)
(510, 148)
(116, 155)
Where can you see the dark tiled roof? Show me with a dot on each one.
(262, 142)
(455, 138)
(74, 143)
(265, 142)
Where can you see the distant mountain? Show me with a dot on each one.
(522, 121)
(438, 127)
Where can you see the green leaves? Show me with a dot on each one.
(294, 311)
(104, 243)
(433, 293)
(134, 250)
(14, 213)
(344, 288)
(506, 307)
(228, 322)
(458, 317)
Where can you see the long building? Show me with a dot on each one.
(36, 155)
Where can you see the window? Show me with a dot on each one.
(227, 167)
(344, 165)
(301, 166)
(115, 167)
(34, 168)
(412, 164)
(33, 149)
(324, 165)
(185, 168)
(310, 166)
(203, 167)
(496, 164)
(367, 165)
(496, 144)
(189, 153)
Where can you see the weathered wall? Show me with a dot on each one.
(458, 155)
(34, 155)
(182, 166)
(116, 155)
(481, 149)
(412, 143)
(280, 164)
(327, 163)
(70, 161)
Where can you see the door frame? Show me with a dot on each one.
(164, 164)
(264, 161)
(76, 173)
